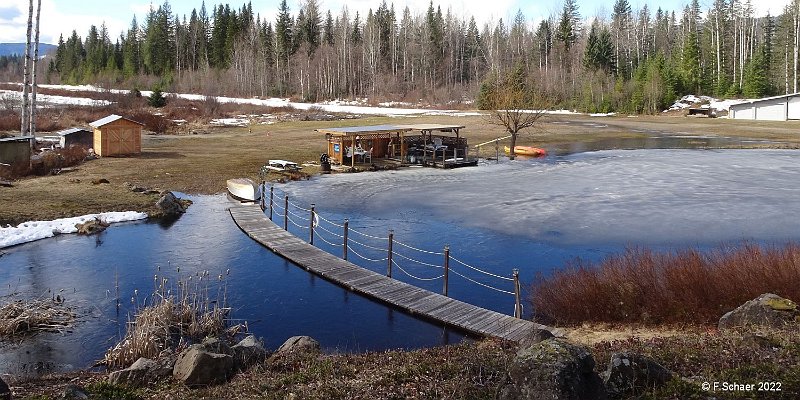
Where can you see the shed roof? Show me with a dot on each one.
(363, 130)
(111, 118)
(69, 131)
(17, 139)
(751, 102)
(432, 127)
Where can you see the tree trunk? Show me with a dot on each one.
(511, 154)
(26, 74)
(35, 64)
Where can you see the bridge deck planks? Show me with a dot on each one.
(434, 306)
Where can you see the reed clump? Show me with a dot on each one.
(651, 288)
(21, 318)
(173, 317)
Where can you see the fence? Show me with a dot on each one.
(390, 252)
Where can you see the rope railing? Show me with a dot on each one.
(416, 277)
(438, 253)
(367, 258)
(482, 284)
(417, 261)
(316, 228)
(321, 237)
(480, 270)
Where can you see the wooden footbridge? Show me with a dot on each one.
(409, 298)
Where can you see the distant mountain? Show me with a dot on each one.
(7, 49)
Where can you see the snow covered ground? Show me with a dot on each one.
(35, 230)
(45, 100)
(717, 104)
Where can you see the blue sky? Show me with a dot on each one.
(62, 16)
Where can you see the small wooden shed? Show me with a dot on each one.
(16, 149)
(76, 137)
(115, 135)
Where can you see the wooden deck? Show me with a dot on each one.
(409, 298)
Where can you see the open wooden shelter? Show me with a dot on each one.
(115, 135)
(435, 145)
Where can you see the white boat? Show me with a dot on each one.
(244, 189)
(282, 165)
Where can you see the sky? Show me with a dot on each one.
(62, 16)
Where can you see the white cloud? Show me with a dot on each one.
(56, 20)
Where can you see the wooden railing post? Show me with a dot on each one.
(271, 202)
(344, 238)
(389, 254)
(261, 197)
(517, 304)
(311, 226)
(446, 267)
(286, 212)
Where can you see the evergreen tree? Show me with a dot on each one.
(328, 29)
(691, 71)
(599, 53)
(568, 26)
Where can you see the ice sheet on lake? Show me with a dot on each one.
(622, 197)
(35, 230)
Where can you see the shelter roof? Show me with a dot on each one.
(362, 130)
(66, 132)
(432, 127)
(753, 101)
(109, 119)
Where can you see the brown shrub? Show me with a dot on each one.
(648, 287)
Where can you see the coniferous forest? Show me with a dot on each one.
(635, 61)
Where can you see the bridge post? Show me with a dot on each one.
(262, 200)
(389, 254)
(446, 268)
(344, 238)
(286, 212)
(311, 226)
(517, 304)
(271, 196)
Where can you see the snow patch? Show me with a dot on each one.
(35, 230)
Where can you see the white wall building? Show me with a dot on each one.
(778, 108)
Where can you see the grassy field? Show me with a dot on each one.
(200, 164)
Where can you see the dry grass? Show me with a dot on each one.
(172, 317)
(647, 287)
(20, 318)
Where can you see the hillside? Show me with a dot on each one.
(7, 49)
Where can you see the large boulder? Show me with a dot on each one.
(214, 345)
(248, 351)
(170, 205)
(298, 344)
(631, 374)
(553, 369)
(768, 310)
(197, 367)
(142, 372)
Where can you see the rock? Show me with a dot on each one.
(99, 181)
(535, 336)
(5, 391)
(74, 392)
(142, 372)
(248, 351)
(197, 367)
(631, 374)
(91, 227)
(214, 345)
(298, 344)
(768, 310)
(169, 205)
(553, 369)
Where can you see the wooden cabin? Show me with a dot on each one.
(76, 137)
(115, 135)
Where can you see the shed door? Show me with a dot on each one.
(794, 107)
(120, 141)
